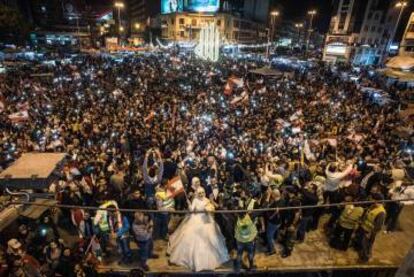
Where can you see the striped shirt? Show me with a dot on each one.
(142, 230)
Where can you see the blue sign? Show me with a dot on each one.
(207, 6)
(171, 6)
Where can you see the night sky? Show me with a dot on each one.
(296, 10)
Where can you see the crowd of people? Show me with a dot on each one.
(163, 132)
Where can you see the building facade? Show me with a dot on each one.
(360, 31)
(376, 33)
(139, 14)
(233, 29)
(407, 43)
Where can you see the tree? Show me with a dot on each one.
(13, 27)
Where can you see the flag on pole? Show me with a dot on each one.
(174, 187)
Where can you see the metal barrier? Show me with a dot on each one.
(63, 206)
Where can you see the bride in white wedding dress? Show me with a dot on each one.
(198, 243)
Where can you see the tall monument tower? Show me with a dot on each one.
(209, 43)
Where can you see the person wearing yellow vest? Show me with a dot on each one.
(245, 234)
(165, 202)
(102, 224)
(348, 221)
(371, 224)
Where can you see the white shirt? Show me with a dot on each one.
(402, 193)
(333, 179)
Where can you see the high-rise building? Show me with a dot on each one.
(376, 33)
(407, 43)
(360, 31)
(140, 13)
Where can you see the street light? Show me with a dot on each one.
(270, 34)
(299, 26)
(103, 30)
(119, 6)
(312, 13)
(274, 13)
(401, 5)
(137, 26)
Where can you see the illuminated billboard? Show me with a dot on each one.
(336, 49)
(171, 6)
(198, 6)
(207, 6)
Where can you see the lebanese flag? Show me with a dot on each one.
(332, 142)
(149, 117)
(233, 82)
(2, 106)
(262, 90)
(308, 152)
(355, 137)
(23, 106)
(19, 117)
(174, 187)
(228, 89)
(238, 82)
(242, 98)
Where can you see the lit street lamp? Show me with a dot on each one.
(119, 6)
(312, 13)
(271, 31)
(299, 26)
(137, 26)
(401, 5)
(273, 14)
